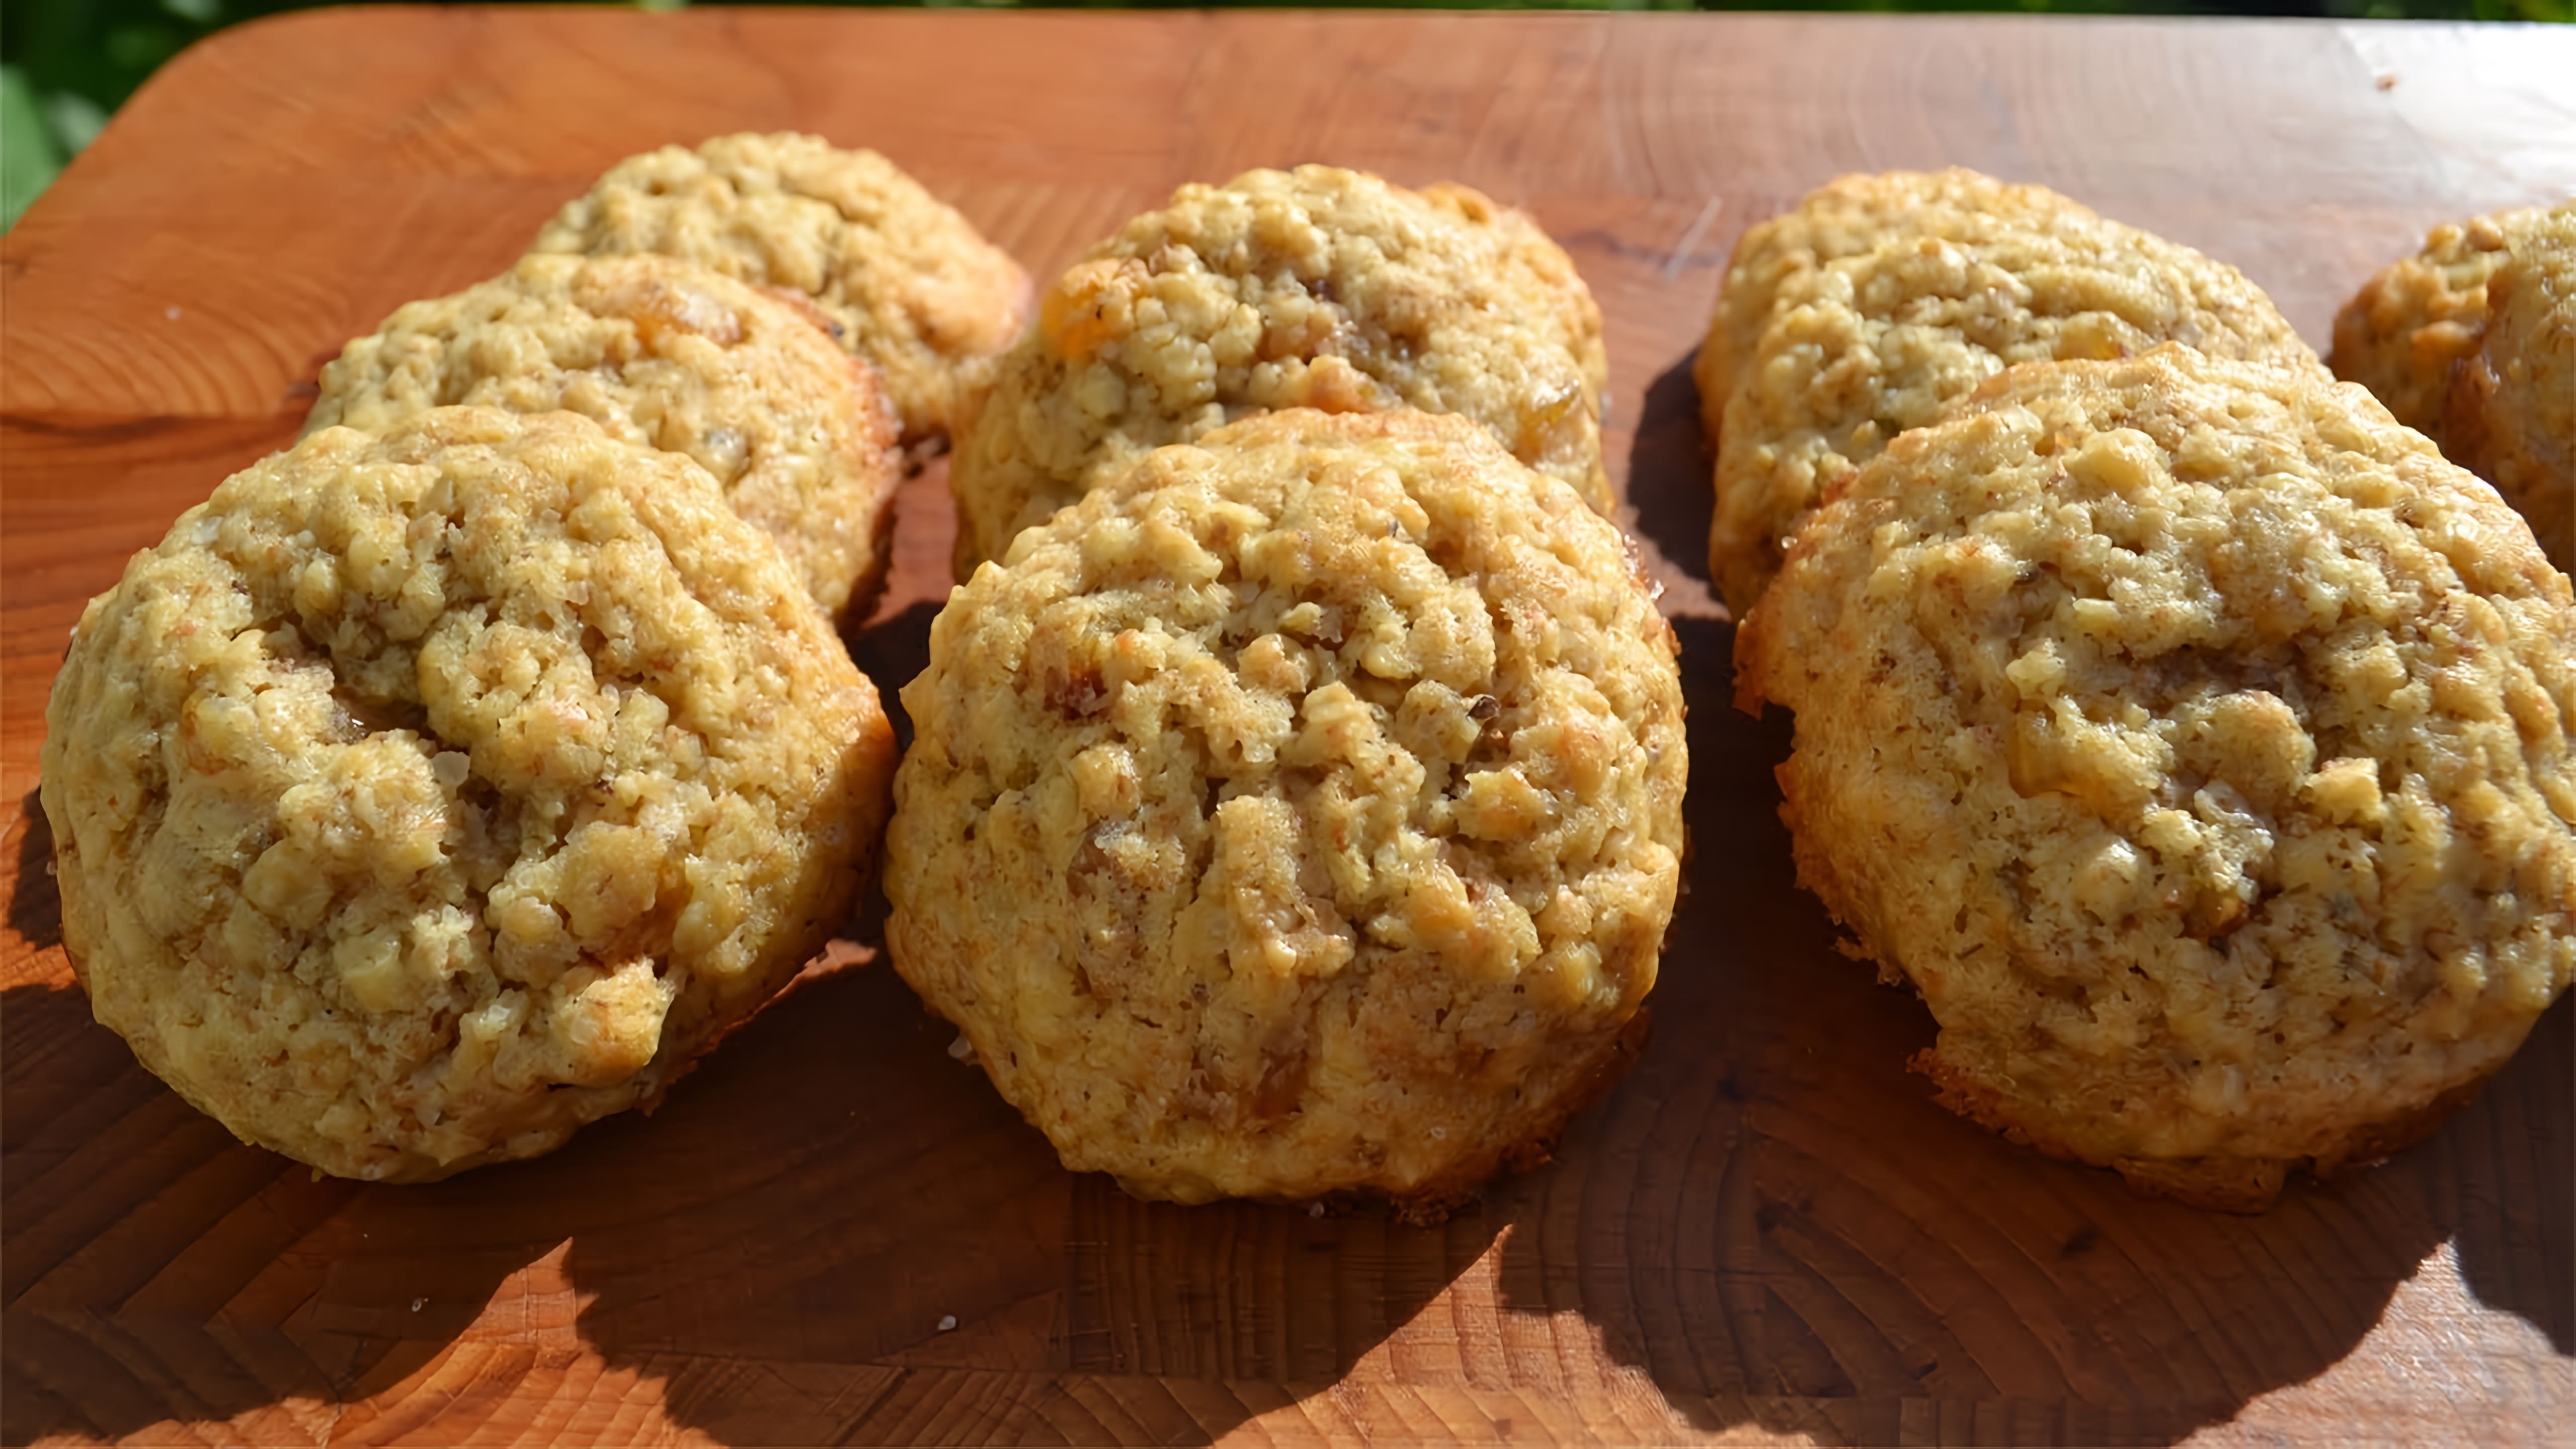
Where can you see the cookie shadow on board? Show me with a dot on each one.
(157, 1270)
(892, 649)
(1777, 1224)
(35, 901)
(838, 1199)
(770, 1212)
(1668, 471)
(2502, 1174)
(832, 1230)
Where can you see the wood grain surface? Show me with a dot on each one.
(835, 1233)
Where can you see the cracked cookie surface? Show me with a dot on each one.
(2202, 746)
(667, 354)
(1317, 288)
(2510, 416)
(1891, 297)
(426, 795)
(1298, 814)
(1847, 216)
(908, 283)
(2406, 331)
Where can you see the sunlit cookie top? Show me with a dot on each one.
(1316, 288)
(426, 795)
(910, 284)
(1300, 813)
(2201, 744)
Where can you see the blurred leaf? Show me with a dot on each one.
(76, 120)
(195, 12)
(27, 159)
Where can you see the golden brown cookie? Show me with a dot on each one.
(2203, 747)
(2511, 413)
(908, 283)
(1966, 276)
(2406, 331)
(667, 354)
(1299, 814)
(1309, 288)
(1848, 216)
(428, 794)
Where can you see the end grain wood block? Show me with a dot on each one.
(833, 1231)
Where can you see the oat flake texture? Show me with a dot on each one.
(425, 795)
(2510, 416)
(744, 381)
(2406, 331)
(2202, 746)
(1883, 300)
(1299, 814)
(1315, 288)
(909, 284)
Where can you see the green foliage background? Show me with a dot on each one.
(66, 65)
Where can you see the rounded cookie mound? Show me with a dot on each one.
(2511, 414)
(2198, 742)
(1847, 216)
(1300, 814)
(1860, 347)
(908, 283)
(675, 357)
(2406, 331)
(1311, 288)
(426, 795)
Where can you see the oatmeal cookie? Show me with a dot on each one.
(427, 794)
(2404, 334)
(1311, 288)
(908, 284)
(673, 356)
(2511, 413)
(1967, 277)
(2202, 746)
(1848, 216)
(1300, 814)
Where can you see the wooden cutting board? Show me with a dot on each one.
(833, 1232)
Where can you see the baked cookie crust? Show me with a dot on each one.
(1299, 815)
(425, 795)
(1316, 288)
(2407, 330)
(908, 284)
(1894, 298)
(2202, 746)
(2510, 416)
(1846, 217)
(664, 353)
